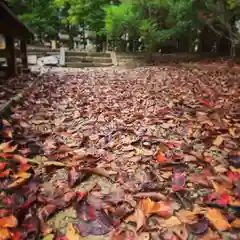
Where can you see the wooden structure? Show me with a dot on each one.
(12, 28)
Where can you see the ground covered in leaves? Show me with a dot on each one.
(145, 153)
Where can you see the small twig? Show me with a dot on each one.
(152, 195)
(99, 171)
(185, 204)
(155, 175)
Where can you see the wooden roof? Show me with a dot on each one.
(11, 25)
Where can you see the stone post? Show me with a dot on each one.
(62, 56)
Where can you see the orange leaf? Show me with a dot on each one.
(161, 157)
(4, 234)
(5, 173)
(163, 209)
(236, 223)
(208, 159)
(148, 206)
(235, 203)
(217, 219)
(9, 222)
(220, 187)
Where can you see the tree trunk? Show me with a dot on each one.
(233, 49)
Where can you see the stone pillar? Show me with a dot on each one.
(11, 59)
(62, 57)
(53, 44)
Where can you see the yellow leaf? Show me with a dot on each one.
(7, 148)
(233, 169)
(17, 183)
(49, 237)
(232, 131)
(217, 219)
(37, 160)
(218, 141)
(72, 234)
(4, 234)
(24, 175)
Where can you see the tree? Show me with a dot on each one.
(221, 16)
(155, 21)
(89, 13)
(40, 15)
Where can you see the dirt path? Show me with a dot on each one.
(167, 135)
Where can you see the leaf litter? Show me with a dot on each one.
(112, 153)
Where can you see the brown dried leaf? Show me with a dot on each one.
(188, 217)
(180, 231)
(218, 141)
(236, 223)
(99, 171)
(138, 217)
(210, 235)
(54, 163)
(171, 222)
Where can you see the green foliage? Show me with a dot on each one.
(40, 15)
(88, 12)
(155, 21)
(120, 20)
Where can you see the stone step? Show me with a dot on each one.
(41, 54)
(86, 64)
(88, 59)
(90, 54)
